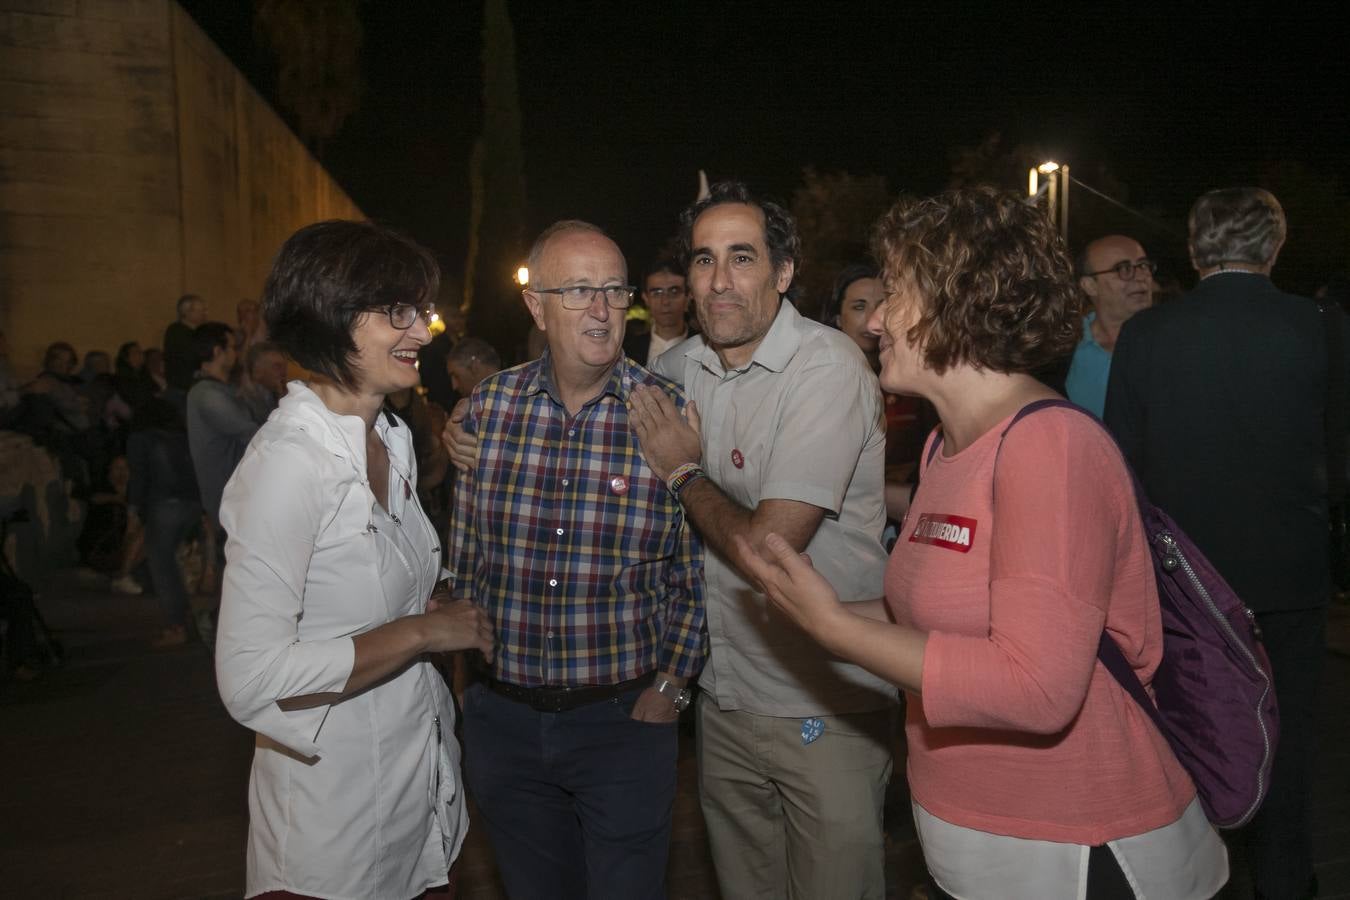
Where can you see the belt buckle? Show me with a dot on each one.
(551, 700)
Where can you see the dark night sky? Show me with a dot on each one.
(622, 102)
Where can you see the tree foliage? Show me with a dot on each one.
(835, 212)
(317, 45)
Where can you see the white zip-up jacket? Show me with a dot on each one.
(359, 798)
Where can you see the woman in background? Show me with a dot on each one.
(856, 297)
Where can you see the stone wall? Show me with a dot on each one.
(136, 165)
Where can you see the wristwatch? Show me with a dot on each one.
(679, 696)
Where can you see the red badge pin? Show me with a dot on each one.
(737, 459)
(618, 485)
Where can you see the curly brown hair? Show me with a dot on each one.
(995, 279)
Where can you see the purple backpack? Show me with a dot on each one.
(1215, 698)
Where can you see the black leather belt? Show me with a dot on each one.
(561, 699)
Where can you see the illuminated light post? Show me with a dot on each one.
(522, 276)
(1056, 194)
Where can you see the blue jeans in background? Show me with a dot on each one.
(167, 524)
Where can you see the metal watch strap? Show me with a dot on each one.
(680, 697)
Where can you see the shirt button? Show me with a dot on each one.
(549, 635)
(566, 482)
(560, 531)
(572, 432)
(553, 582)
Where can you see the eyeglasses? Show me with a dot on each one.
(403, 315)
(674, 292)
(1125, 269)
(581, 296)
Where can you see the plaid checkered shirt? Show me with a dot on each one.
(579, 553)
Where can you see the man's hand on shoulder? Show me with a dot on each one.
(462, 446)
(668, 438)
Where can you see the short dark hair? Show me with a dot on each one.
(996, 285)
(664, 263)
(209, 336)
(847, 275)
(780, 229)
(329, 273)
(258, 351)
(469, 350)
(55, 350)
(184, 301)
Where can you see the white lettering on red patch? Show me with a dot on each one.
(949, 532)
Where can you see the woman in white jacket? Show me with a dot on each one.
(325, 619)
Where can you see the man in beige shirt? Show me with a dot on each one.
(794, 747)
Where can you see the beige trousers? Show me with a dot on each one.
(792, 820)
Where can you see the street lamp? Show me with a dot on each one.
(522, 276)
(1057, 192)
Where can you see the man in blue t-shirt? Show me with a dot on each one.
(1117, 278)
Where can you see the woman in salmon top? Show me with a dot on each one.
(1033, 774)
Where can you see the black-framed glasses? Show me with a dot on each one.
(581, 296)
(674, 292)
(1125, 269)
(403, 315)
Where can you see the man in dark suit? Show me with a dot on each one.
(1218, 401)
(664, 292)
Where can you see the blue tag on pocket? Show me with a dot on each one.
(812, 729)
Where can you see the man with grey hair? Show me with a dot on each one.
(1217, 400)
(593, 581)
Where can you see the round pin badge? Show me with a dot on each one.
(618, 485)
(737, 459)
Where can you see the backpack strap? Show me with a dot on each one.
(1108, 651)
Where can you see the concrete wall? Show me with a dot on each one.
(136, 165)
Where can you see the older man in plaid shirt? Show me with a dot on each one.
(594, 582)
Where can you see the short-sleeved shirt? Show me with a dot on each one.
(802, 421)
(1089, 371)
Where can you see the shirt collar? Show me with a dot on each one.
(775, 350)
(1088, 336)
(541, 381)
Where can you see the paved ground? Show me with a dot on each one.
(123, 777)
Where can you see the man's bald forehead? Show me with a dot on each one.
(1115, 246)
(553, 249)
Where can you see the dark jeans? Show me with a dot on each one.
(576, 804)
(1279, 840)
(168, 523)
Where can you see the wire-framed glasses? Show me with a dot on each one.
(1125, 269)
(581, 296)
(403, 315)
